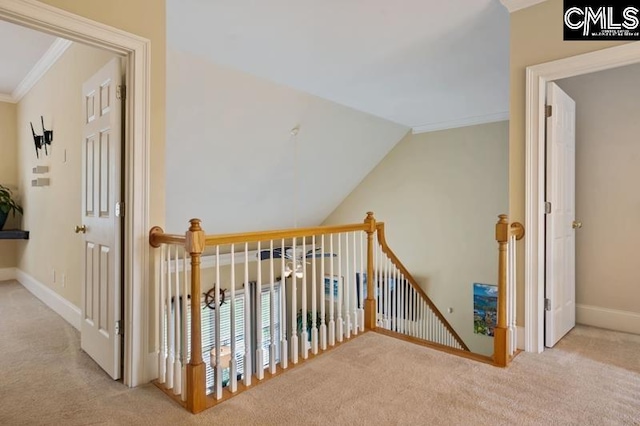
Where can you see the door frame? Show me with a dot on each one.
(136, 50)
(534, 254)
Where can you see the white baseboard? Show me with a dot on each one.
(67, 310)
(612, 319)
(519, 337)
(7, 274)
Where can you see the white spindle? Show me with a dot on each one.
(162, 316)
(314, 298)
(294, 306)
(304, 336)
(339, 319)
(272, 311)
(284, 350)
(170, 325)
(186, 326)
(259, 325)
(217, 374)
(353, 290)
(323, 325)
(332, 323)
(347, 289)
(362, 283)
(177, 365)
(247, 318)
(233, 365)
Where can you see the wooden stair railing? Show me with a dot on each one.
(505, 331)
(428, 322)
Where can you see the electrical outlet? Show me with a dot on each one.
(53, 276)
(450, 310)
(64, 280)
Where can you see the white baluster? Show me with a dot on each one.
(332, 323)
(170, 325)
(294, 306)
(323, 325)
(259, 325)
(272, 307)
(314, 298)
(233, 364)
(352, 287)
(284, 350)
(177, 365)
(217, 369)
(347, 289)
(162, 353)
(304, 336)
(247, 319)
(362, 283)
(186, 326)
(340, 301)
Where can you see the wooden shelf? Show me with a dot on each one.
(14, 234)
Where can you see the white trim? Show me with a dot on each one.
(537, 78)
(7, 274)
(61, 306)
(7, 98)
(515, 5)
(42, 17)
(51, 56)
(461, 122)
(612, 319)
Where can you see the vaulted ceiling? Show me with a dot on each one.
(425, 64)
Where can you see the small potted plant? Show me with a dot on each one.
(7, 205)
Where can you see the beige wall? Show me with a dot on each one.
(9, 176)
(607, 200)
(439, 195)
(52, 211)
(536, 37)
(145, 18)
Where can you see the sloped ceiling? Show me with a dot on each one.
(426, 64)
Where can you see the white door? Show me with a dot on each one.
(560, 283)
(101, 190)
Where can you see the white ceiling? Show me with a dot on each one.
(426, 64)
(20, 49)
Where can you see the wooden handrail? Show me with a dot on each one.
(407, 275)
(249, 237)
(157, 237)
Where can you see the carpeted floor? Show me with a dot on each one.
(592, 377)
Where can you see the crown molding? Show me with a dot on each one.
(41, 67)
(461, 122)
(4, 97)
(515, 5)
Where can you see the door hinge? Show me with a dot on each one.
(119, 328)
(120, 209)
(547, 304)
(121, 92)
(547, 207)
(548, 110)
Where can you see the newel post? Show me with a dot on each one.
(196, 369)
(370, 302)
(500, 343)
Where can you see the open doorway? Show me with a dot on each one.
(136, 182)
(537, 79)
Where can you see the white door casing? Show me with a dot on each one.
(101, 190)
(560, 266)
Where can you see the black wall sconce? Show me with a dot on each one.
(41, 141)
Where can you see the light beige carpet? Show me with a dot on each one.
(592, 377)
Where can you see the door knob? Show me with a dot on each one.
(81, 229)
(576, 224)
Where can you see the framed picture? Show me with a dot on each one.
(485, 312)
(331, 284)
